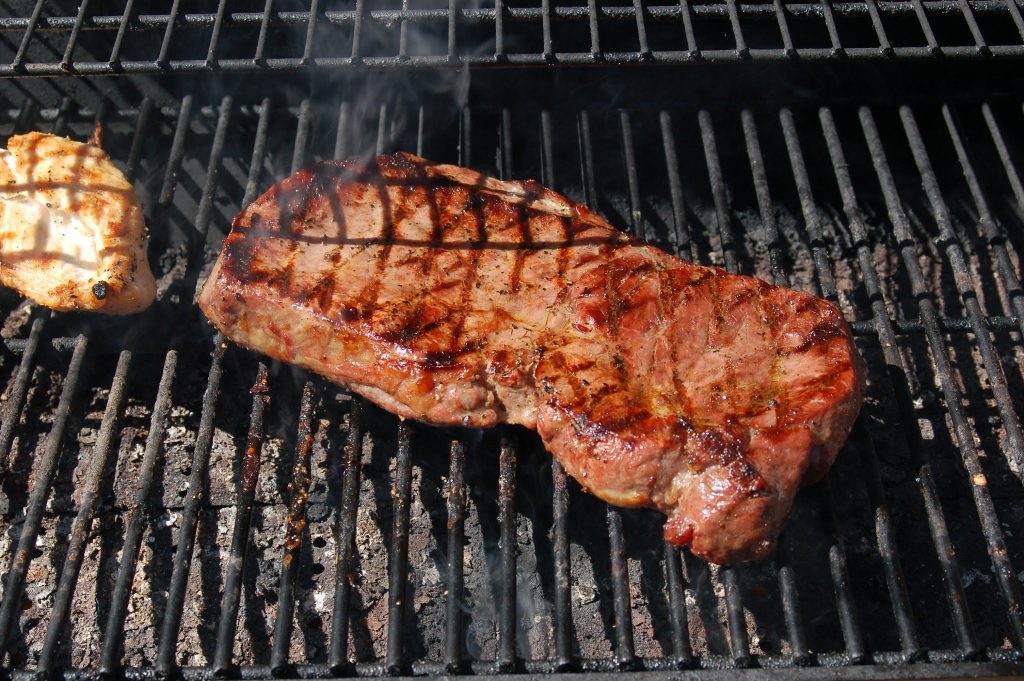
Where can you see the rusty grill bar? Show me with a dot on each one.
(857, 209)
(399, 35)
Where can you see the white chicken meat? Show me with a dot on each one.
(72, 235)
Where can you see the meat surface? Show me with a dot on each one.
(450, 297)
(72, 236)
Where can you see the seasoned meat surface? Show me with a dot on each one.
(450, 297)
(72, 235)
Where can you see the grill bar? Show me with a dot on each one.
(16, 399)
(499, 30)
(625, 654)
(787, 40)
(451, 30)
(681, 647)
(296, 529)
(216, 157)
(849, 621)
(889, 551)
(791, 611)
(680, 227)
(177, 154)
(456, 507)
(114, 62)
(33, 21)
(636, 220)
(926, 28)
(1016, 15)
(723, 221)
(261, 41)
(357, 31)
(641, 30)
(171, 624)
(972, 24)
(47, 467)
(403, 33)
(562, 603)
(398, 562)
(218, 25)
(228, 623)
(507, 553)
(307, 50)
(141, 126)
(345, 522)
(825, 278)
(87, 509)
(76, 28)
(172, 20)
(833, 31)
(545, 18)
(737, 32)
(113, 632)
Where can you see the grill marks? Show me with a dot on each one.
(472, 260)
(522, 223)
(667, 298)
(366, 301)
(562, 259)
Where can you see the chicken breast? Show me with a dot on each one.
(72, 235)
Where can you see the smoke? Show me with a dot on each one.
(379, 108)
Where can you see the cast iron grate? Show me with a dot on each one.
(53, 38)
(175, 508)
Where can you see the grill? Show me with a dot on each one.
(432, 34)
(171, 506)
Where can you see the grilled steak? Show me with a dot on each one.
(450, 297)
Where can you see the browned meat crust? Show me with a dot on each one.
(72, 235)
(453, 298)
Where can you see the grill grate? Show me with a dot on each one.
(398, 549)
(61, 38)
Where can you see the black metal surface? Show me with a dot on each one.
(55, 38)
(902, 564)
(298, 489)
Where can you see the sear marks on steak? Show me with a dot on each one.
(450, 297)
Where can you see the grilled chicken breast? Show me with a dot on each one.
(453, 298)
(72, 235)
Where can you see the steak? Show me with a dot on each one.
(453, 298)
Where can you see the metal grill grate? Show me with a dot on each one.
(155, 484)
(53, 38)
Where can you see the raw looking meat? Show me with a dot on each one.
(451, 297)
(72, 236)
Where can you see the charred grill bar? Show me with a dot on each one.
(671, 33)
(170, 508)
